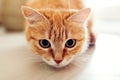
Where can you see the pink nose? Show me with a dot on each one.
(58, 61)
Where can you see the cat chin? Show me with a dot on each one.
(54, 64)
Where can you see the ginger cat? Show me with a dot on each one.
(56, 29)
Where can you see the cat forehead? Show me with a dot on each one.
(61, 13)
(58, 29)
(57, 17)
(56, 10)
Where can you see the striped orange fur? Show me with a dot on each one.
(57, 21)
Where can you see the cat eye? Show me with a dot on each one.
(44, 43)
(70, 43)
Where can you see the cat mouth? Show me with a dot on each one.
(59, 66)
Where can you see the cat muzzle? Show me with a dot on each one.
(58, 61)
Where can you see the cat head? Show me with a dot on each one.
(56, 35)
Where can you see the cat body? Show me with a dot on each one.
(56, 29)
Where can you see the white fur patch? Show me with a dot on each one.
(54, 64)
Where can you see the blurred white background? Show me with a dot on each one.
(106, 15)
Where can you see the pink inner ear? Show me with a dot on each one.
(31, 15)
(28, 13)
(80, 17)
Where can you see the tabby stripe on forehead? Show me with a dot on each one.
(50, 31)
(66, 33)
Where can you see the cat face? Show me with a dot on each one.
(57, 36)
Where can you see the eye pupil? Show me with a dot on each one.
(44, 43)
(70, 43)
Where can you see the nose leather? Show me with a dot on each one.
(58, 61)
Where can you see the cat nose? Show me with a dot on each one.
(58, 61)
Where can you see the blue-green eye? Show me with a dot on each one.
(44, 43)
(70, 43)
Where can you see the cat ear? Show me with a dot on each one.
(31, 15)
(80, 16)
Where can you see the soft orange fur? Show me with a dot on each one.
(56, 33)
(56, 29)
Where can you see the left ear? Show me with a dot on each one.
(80, 16)
(32, 16)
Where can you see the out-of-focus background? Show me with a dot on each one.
(106, 15)
(10, 15)
(18, 62)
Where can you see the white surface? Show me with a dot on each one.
(17, 62)
(101, 3)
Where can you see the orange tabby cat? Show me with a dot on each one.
(56, 29)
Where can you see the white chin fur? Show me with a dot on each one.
(54, 64)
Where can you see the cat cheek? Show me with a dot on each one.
(46, 57)
(49, 62)
(66, 62)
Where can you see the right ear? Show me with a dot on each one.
(32, 16)
(80, 16)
